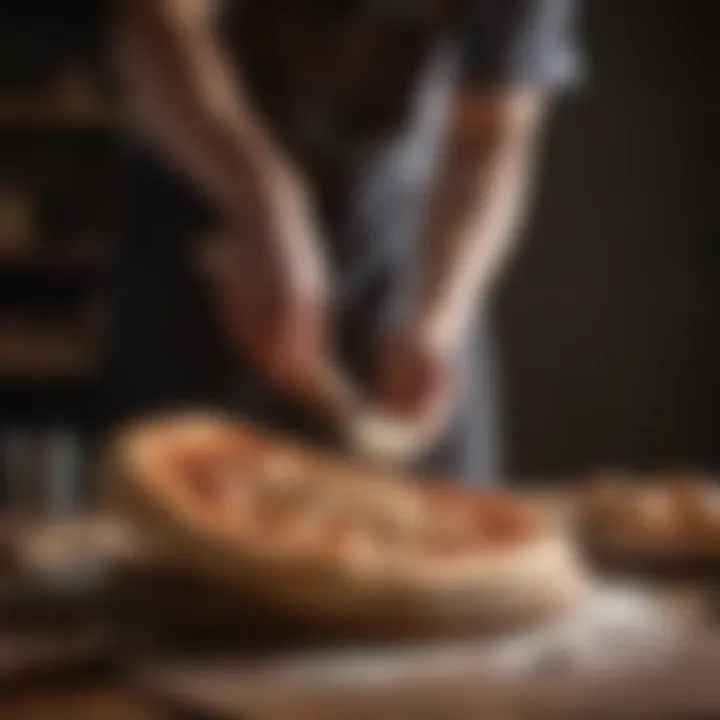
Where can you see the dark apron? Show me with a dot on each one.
(167, 351)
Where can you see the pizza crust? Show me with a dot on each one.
(347, 572)
(653, 519)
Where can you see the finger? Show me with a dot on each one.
(436, 417)
(301, 344)
(407, 388)
(248, 325)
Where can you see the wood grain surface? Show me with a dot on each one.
(87, 701)
(279, 688)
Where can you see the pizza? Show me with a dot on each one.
(665, 516)
(335, 542)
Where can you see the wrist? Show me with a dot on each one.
(280, 224)
(436, 325)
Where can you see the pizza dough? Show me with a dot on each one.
(339, 544)
(671, 517)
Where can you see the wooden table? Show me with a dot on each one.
(109, 699)
(87, 701)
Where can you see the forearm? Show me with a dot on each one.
(478, 203)
(186, 97)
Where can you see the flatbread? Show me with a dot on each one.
(330, 541)
(662, 517)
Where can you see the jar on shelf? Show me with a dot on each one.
(43, 470)
(18, 221)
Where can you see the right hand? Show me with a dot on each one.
(414, 380)
(272, 308)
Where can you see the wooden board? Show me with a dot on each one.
(622, 658)
(338, 588)
(462, 679)
(71, 701)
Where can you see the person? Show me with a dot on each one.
(368, 162)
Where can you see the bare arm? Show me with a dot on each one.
(512, 53)
(184, 94)
(478, 203)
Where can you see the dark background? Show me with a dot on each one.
(608, 316)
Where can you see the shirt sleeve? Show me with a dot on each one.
(519, 42)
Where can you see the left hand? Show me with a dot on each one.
(414, 379)
(274, 318)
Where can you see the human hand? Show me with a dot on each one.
(270, 310)
(414, 380)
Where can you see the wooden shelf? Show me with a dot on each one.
(42, 361)
(11, 372)
(33, 114)
(60, 263)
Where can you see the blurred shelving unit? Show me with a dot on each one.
(40, 115)
(58, 212)
(60, 200)
(42, 264)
